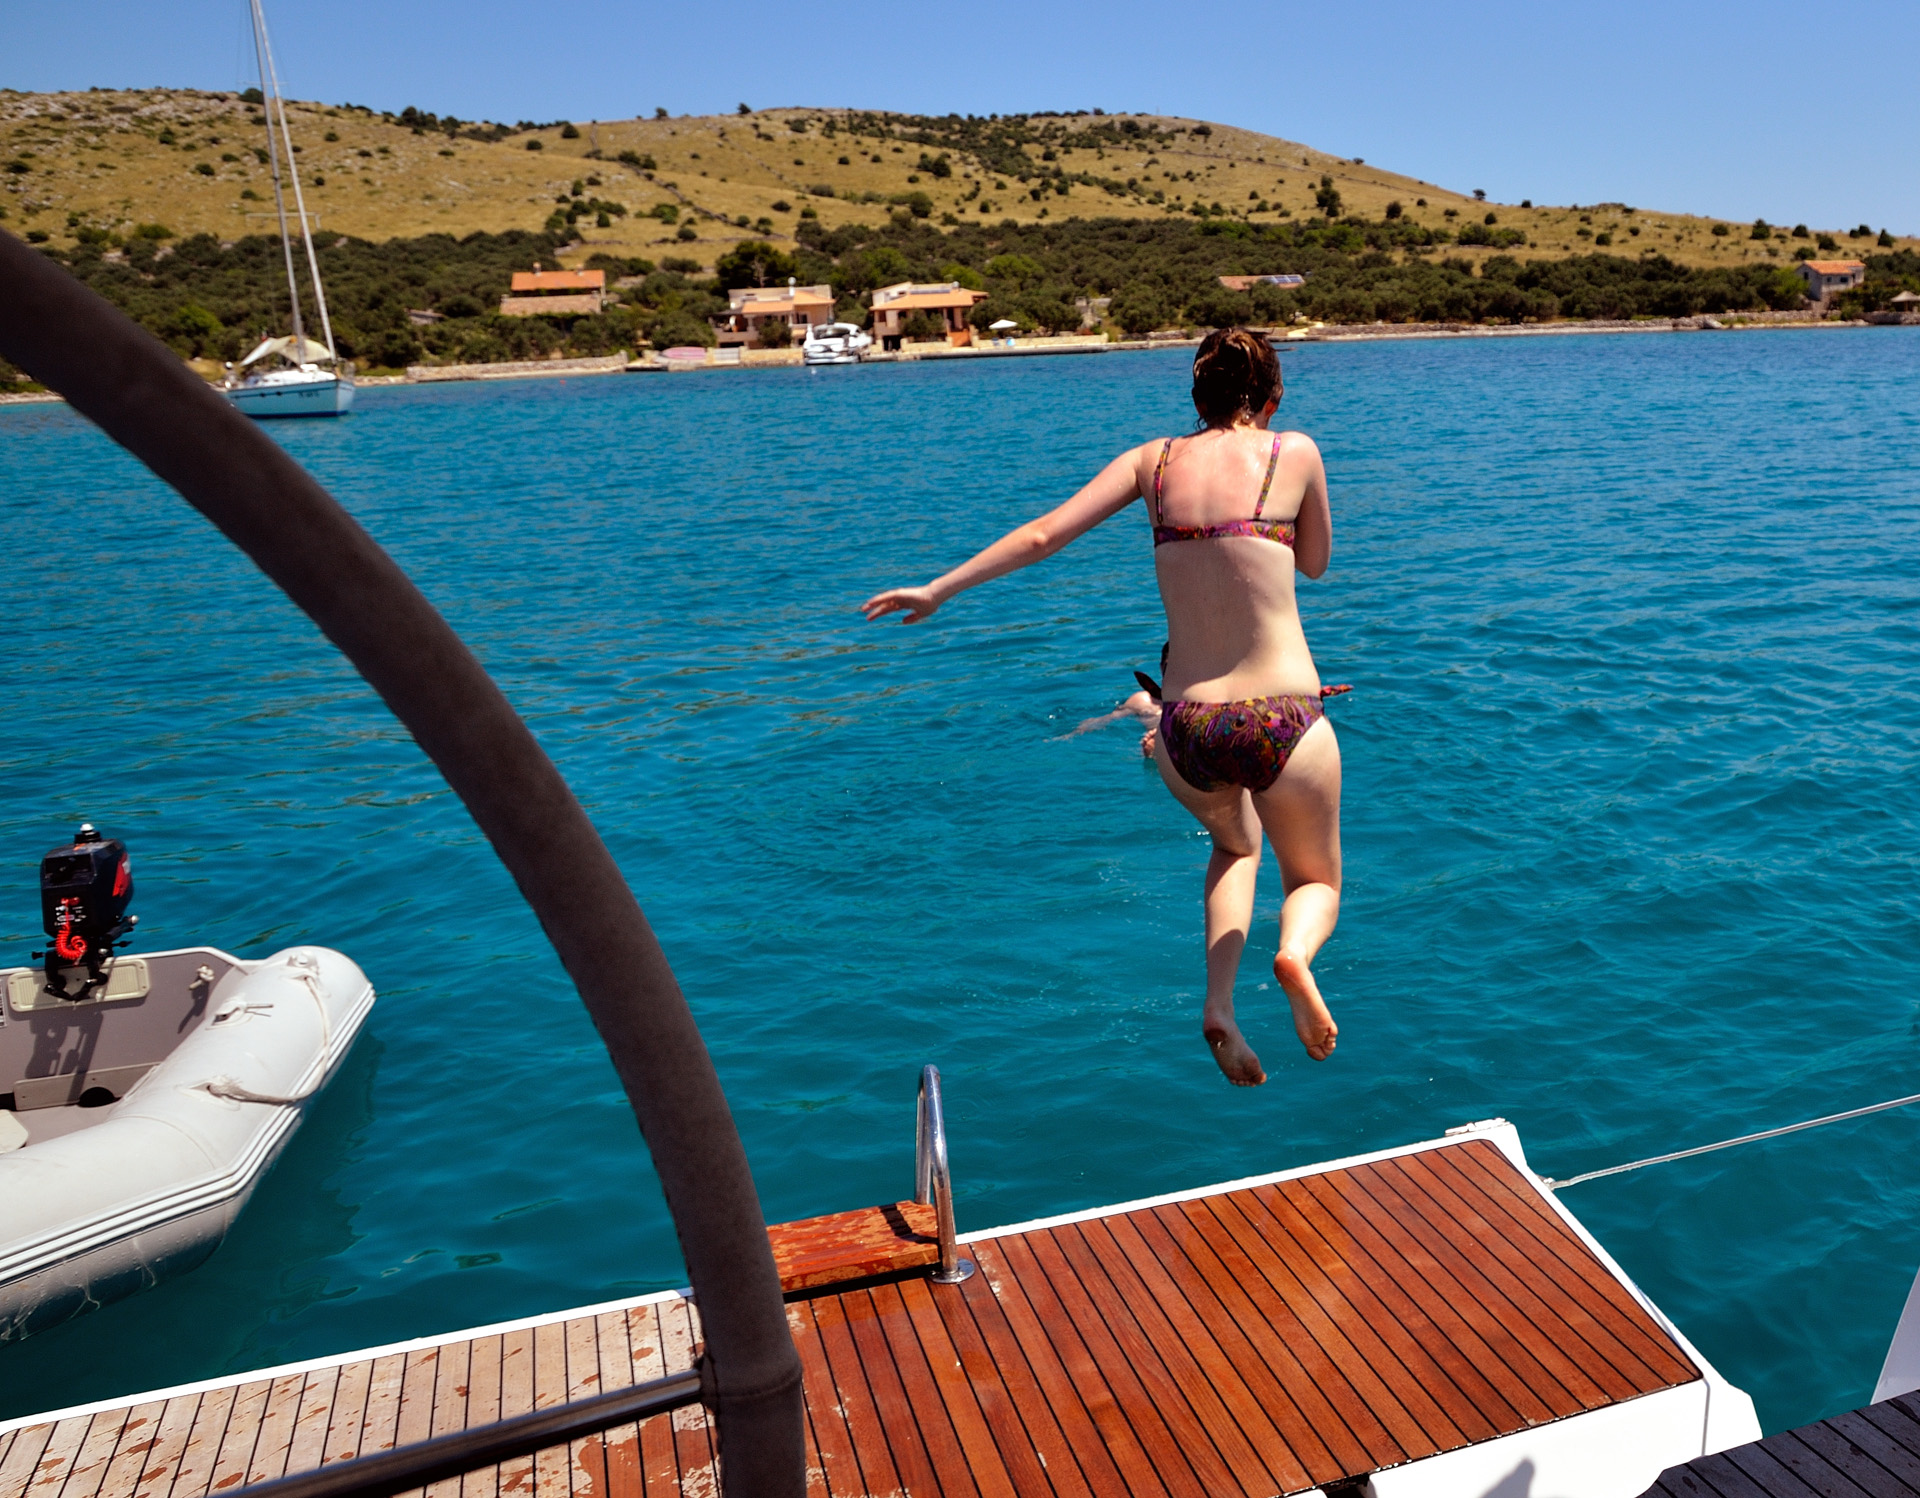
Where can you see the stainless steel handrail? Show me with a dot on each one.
(932, 1182)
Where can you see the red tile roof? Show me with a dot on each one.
(559, 280)
(1834, 267)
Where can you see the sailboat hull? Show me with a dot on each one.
(328, 397)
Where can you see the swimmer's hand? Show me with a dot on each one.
(918, 604)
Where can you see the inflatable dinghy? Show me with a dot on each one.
(144, 1097)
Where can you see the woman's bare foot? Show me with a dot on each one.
(1232, 1054)
(1311, 1020)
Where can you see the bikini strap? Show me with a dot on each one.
(1273, 462)
(1159, 471)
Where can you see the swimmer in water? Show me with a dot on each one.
(1238, 515)
(1142, 706)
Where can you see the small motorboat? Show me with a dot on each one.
(297, 386)
(835, 343)
(143, 1098)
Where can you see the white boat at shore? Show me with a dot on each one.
(834, 343)
(298, 385)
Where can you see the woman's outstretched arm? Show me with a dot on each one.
(1112, 490)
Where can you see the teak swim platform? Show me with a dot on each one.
(1424, 1320)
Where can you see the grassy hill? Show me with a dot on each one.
(101, 162)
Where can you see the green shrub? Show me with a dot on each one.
(639, 161)
(568, 131)
(1720, 231)
(687, 231)
(536, 144)
(203, 168)
(1760, 230)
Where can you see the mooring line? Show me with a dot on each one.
(1724, 1144)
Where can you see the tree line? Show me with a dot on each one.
(209, 300)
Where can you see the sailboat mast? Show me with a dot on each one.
(299, 199)
(273, 164)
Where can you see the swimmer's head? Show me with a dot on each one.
(1235, 377)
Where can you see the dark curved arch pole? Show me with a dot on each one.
(119, 376)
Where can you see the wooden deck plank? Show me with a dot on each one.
(1519, 1377)
(41, 1448)
(944, 1437)
(1366, 1279)
(419, 1379)
(195, 1470)
(1776, 1480)
(872, 1241)
(586, 1457)
(619, 1455)
(1465, 1213)
(694, 1448)
(1110, 1454)
(349, 1411)
(17, 1468)
(88, 1467)
(1314, 1432)
(308, 1447)
(1262, 1408)
(275, 1435)
(158, 1472)
(1484, 1286)
(1003, 1458)
(1894, 1422)
(516, 1398)
(1144, 1449)
(1445, 1415)
(905, 1439)
(659, 1470)
(385, 1382)
(138, 1438)
(1898, 1457)
(994, 1358)
(834, 1470)
(552, 1467)
(1482, 1168)
(879, 1472)
(1826, 1443)
(1285, 1269)
(234, 1456)
(482, 1408)
(1319, 1385)
(1197, 1409)
(448, 1411)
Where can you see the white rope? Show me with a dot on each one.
(1724, 1144)
(226, 1087)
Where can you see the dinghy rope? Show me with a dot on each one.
(1727, 1144)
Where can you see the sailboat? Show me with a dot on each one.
(293, 375)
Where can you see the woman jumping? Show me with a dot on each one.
(1243, 742)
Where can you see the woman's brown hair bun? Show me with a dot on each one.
(1234, 373)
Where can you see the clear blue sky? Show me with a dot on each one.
(1791, 112)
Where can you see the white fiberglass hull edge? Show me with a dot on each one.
(330, 397)
(151, 1189)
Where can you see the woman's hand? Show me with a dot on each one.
(919, 603)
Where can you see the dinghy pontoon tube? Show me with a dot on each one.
(145, 1112)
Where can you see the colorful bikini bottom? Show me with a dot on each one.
(1217, 744)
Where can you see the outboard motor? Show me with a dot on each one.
(85, 888)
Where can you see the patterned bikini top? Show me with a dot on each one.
(1266, 530)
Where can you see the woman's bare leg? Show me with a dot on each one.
(1301, 814)
(1228, 894)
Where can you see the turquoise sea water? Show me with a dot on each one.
(1632, 816)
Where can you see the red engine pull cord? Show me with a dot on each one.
(70, 945)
